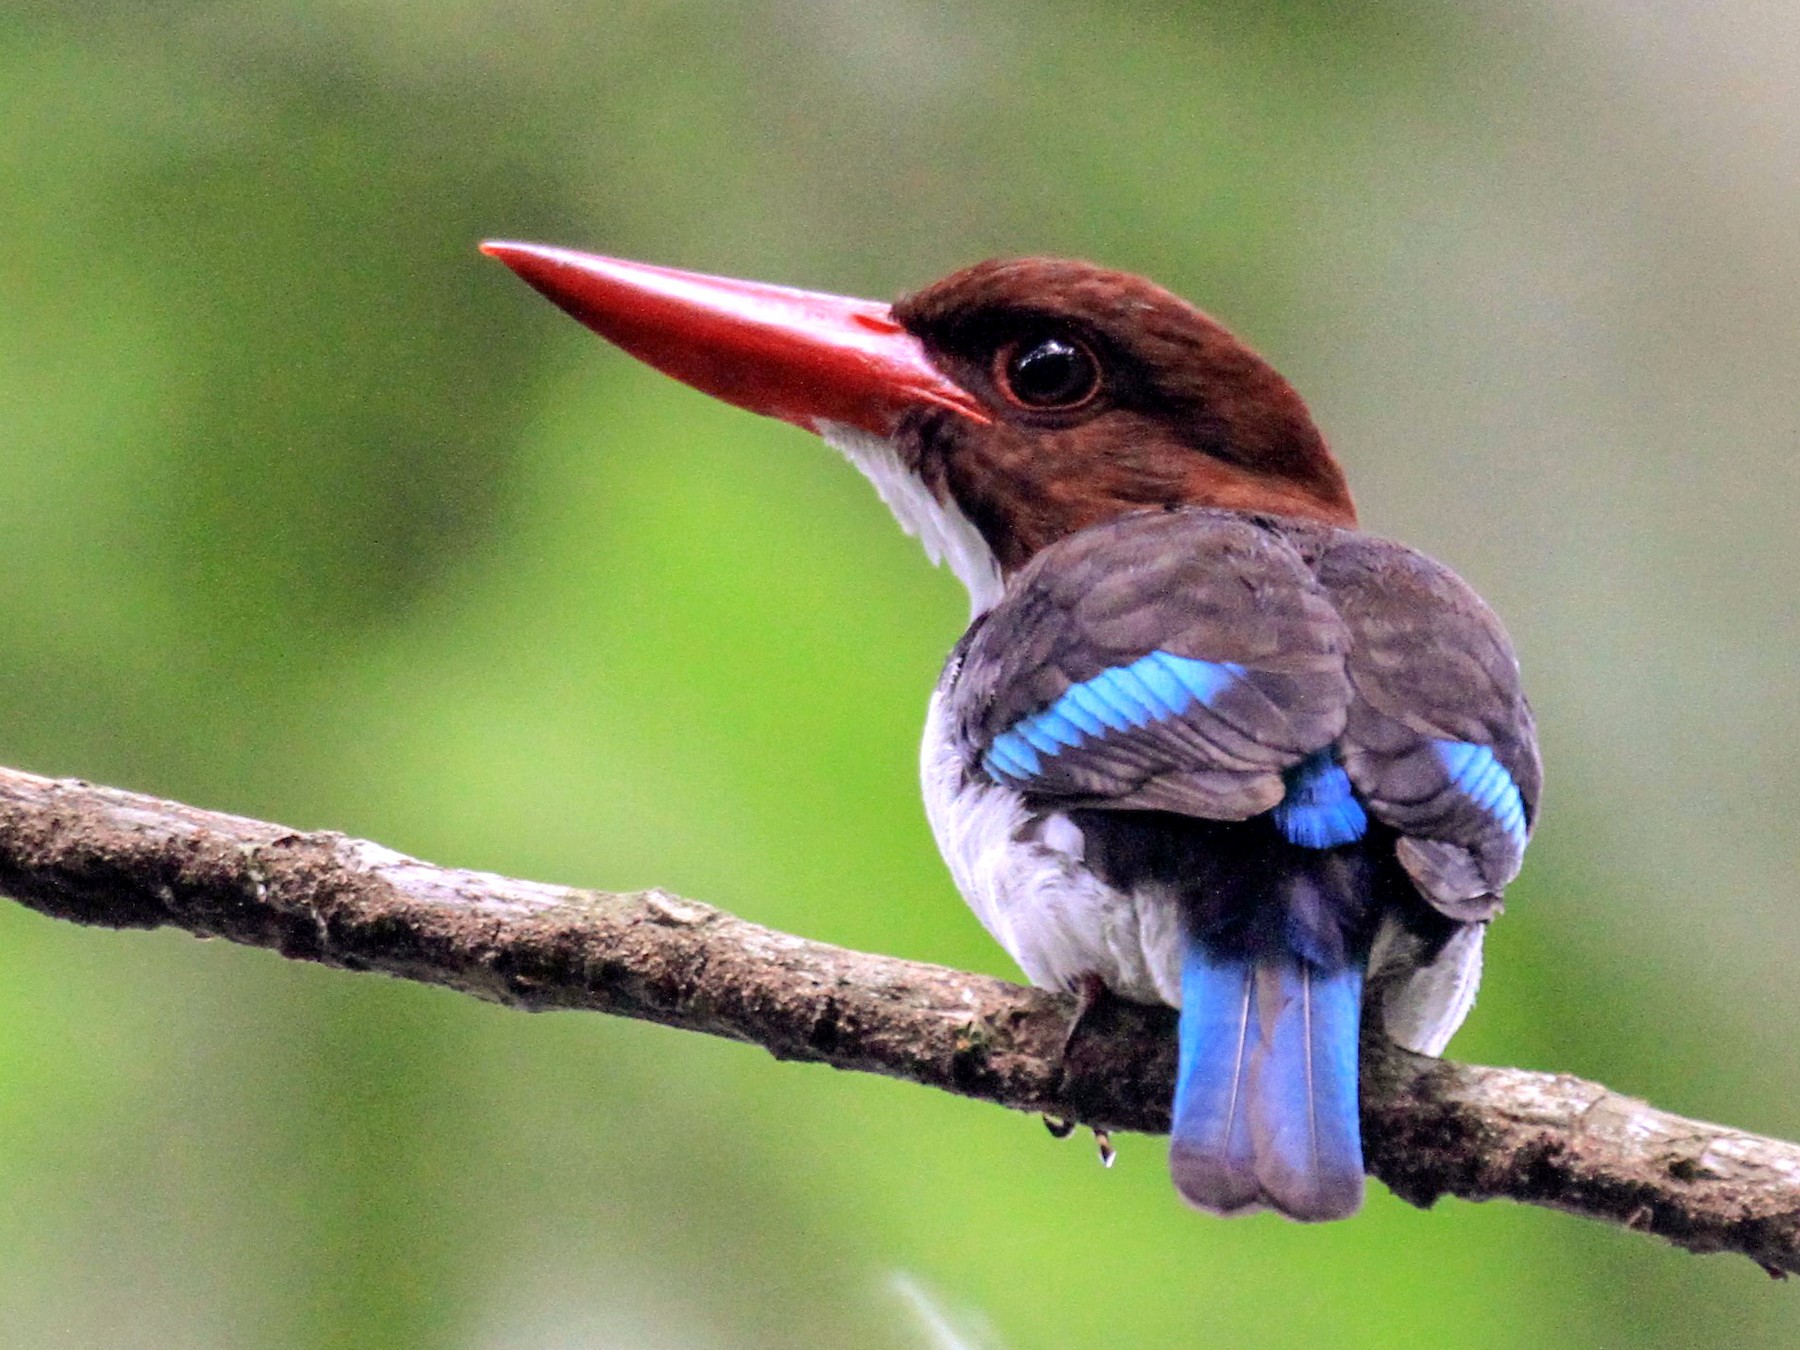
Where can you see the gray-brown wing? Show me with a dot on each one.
(1439, 741)
(1171, 661)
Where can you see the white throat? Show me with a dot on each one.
(945, 531)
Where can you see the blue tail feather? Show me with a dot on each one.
(1303, 1109)
(1210, 1151)
(1266, 1093)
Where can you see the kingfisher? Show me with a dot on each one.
(1204, 743)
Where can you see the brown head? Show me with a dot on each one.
(1108, 394)
(997, 410)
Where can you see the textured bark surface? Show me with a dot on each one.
(96, 855)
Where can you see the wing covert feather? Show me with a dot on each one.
(1439, 739)
(1122, 614)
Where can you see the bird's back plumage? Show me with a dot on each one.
(1296, 738)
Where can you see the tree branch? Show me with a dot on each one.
(95, 855)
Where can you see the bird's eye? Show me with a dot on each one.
(1050, 372)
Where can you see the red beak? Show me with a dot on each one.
(803, 356)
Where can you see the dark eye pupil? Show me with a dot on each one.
(1052, 373)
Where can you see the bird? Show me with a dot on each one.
(1205, 742)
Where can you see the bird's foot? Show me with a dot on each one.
(1090, 993)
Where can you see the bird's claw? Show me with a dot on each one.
(1061, 1127)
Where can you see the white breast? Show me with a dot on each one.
(1023, 877)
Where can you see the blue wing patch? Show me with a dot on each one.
(1121, 698)
(1320, 810)
(1481, 778)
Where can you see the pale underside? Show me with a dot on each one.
(1021, 871)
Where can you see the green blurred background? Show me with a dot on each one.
(312, 513)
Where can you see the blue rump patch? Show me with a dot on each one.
(1120, 698)
(1479, 776)
(1320, 810)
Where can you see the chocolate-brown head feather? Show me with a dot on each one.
(1177, 412)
